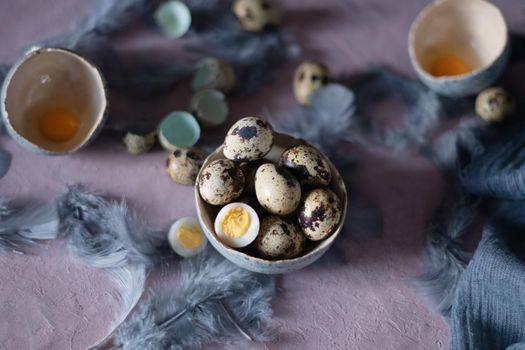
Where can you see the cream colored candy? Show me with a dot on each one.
(251, 138)
(221, 182)
(320, 213)
(308, 164)
(309, 77)
(256, 15)
(276, 189)
(279, 239)
(184, 164)
(494, 104)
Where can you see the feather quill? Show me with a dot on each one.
(215, 302)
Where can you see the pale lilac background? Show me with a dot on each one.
(48, 300)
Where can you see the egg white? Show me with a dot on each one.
(177, 246)
(251, 232)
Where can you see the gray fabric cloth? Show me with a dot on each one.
(489, 308)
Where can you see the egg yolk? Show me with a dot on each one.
(236, 222)
(59, 124)
(189, 237)
(448, 66)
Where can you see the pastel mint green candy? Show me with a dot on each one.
(209, 107)
(178, 129)
(173, 18)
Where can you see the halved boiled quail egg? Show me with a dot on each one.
(237, 225)
(186, 237)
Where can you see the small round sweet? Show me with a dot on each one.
(256, 15)
(308, 164)
(184, 164)
(279, 239)
(237, 225)
(309, 77)
(221, 182)
(137, 143)
(186, 238)
(494, 104)
(277, 190)
(250, 138)
(213, 73)
(320, 214)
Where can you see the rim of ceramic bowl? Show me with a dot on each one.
(423, 14)
(324, 244)
(5, 115)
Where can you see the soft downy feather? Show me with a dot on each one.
(444, 258)
(215, 302)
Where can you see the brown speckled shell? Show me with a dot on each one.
(221, 182)
(320, 214)
(251, 138)
(184, 164)
(494, 104)
(277, 190)
(308, 164)
(278, 239)
(256, 15)
(309, 77)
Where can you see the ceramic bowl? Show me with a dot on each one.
(246, 258)
(53, 78)
(472, 30)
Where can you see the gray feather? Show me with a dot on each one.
(444, 257)
(215, 302)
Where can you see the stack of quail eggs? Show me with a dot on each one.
(270, 208)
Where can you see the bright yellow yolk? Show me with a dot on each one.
(236, 222)
(59, 124)
(448, 66)
(190, 237)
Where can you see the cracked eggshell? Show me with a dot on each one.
(137, 144)
(251, 138)
(308, 164)
(309, 77)
(213, 73)
(209, 107)
(277, 190)
(221, 182)
(184, 164)
(320, 214)
(256, 15)
(279, 239)
(494, 104)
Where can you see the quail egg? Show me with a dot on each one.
(251, 138)
(277, 190)
(256, 15)
(221, 182)
(237, 225)
(309, 77)
(184, 164)
(320, 213)
(494, 104)
(279, 239)
(308, 164)
(186, 237)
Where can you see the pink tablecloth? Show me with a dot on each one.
(48, 300)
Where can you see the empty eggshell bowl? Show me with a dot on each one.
(458, 48)
(53, 101)
(248, 259)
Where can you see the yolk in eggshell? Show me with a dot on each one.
(236, 222)
(449, 65)
(59, 124)
(190, 237)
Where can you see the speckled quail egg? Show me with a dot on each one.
(256, 15)
(494, 104)
(277, 190)
(309, 77)
(221, 182)
(251, 138)
(237, 225)
(320, 213)
(308, 164)
(186, 237)
(184, 164)
(279, 239)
